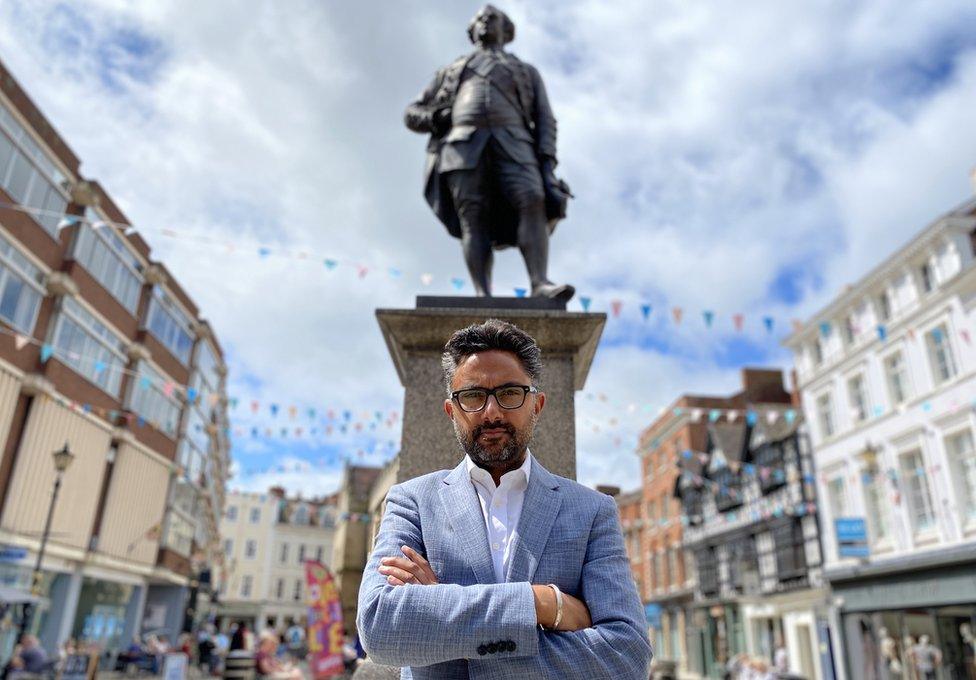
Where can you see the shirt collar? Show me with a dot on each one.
(478, 474)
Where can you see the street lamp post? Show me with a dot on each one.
(62, 459)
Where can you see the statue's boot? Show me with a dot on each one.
(554, 291)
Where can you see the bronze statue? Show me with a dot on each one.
(492, 155)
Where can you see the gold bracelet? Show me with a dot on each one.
(559, 605)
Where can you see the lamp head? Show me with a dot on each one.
(63, 458)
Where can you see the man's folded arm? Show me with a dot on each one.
(616, 645)
(420, 625)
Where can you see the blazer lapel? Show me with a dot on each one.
(539, 510)
(463, 513)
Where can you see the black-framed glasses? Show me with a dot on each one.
(508, 397)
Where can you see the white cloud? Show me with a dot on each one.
(711, 147)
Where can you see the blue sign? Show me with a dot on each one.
(852, 537)
(12, 553)
(653, 613)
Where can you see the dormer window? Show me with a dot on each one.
(884, 307)
(925, 274)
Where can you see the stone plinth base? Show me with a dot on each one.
(416, 338)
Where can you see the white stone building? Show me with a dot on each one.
(887, 374)
(267, 539)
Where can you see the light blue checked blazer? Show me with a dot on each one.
(469, 626)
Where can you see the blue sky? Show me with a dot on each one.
(738, 158)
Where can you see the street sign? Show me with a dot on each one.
(653, 613)
(12, 553)
(852, 537)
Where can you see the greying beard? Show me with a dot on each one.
(518, 442)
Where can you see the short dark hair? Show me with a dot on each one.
(508, 26)
(493, 334)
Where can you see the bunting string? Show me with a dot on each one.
(362, 269)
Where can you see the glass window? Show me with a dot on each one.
(791, 560)
(29, 175)
(707, 562)
(280, 589)
(837, 497)
(170, 325)
(21, 288)
(88, 346)
(858, 398)
(105, 256)
(940, 355)
(925, 274)
(297, 595)
(284, 553)
(962, 458)
(896, 375)
(817, 352)
(301, 553)
(250, 549)
(318, 554)
(255, 515)
(179, 534)
(232, 513)
(884, 306)
(825, 415)
(246, 584)
(301, 515)
(148, 398)
(229, 548)
(874, 501)
(916, 482)
(850, 330)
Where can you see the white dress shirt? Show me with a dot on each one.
(501, 507)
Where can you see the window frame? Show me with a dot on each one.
(164, 303)
(65, 309)
(34, 281)
(103, 235)
(923, 492)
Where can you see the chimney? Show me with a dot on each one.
(608, 490)
(764, 385)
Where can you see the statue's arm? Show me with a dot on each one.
(545, 122)
(419, 115)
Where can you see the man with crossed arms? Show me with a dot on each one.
(499, 568)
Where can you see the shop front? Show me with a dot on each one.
(715, 635)
(794, 621)
(892, 624)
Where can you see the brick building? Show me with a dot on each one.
(100, 347)
(668, 579)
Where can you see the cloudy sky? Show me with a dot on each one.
(742, 158)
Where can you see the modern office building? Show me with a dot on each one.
(102, 349)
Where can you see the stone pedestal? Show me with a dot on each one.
(416, 338)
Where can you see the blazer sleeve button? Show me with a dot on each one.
(482, 650)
